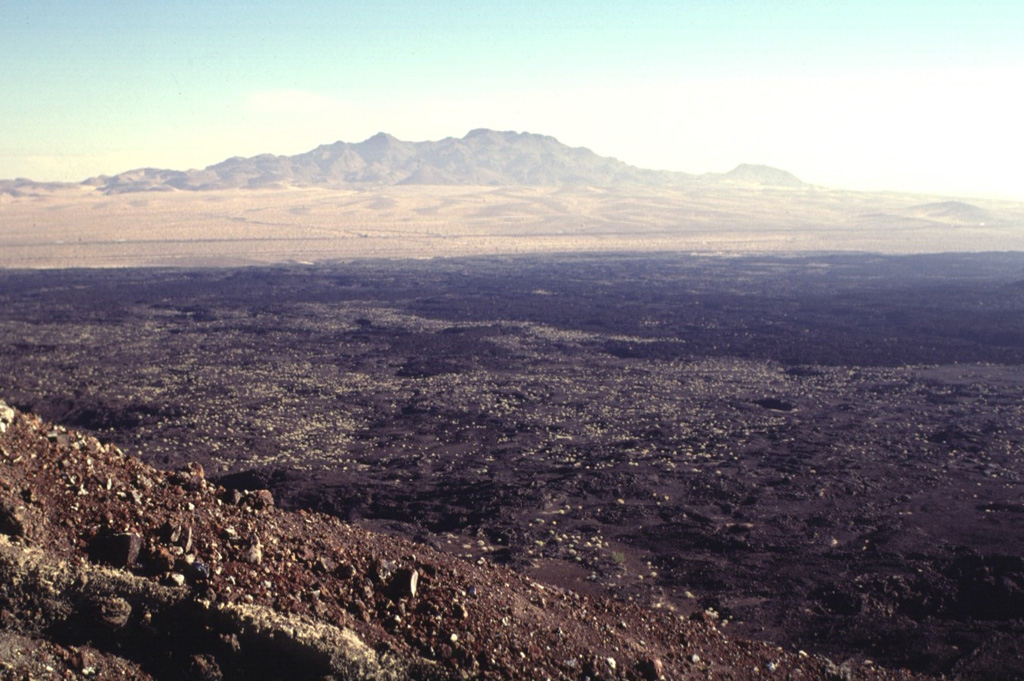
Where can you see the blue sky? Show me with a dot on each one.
(870, 95)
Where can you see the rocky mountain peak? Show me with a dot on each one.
(381, 139)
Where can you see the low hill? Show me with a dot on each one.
(951, 211)
(747, 173)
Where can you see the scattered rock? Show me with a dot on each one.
(84, 661)
(191, 476)
(161, 560)
(204, 668)
(834, 672)
(263, 499)
(205, 605)
(254, 552)
(178, 535)
(6, 416)
(195, 470)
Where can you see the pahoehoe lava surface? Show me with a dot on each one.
(826, 449)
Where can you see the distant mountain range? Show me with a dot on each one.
(482, 157)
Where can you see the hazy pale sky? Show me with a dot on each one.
(922, 96)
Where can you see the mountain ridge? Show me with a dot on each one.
(481, 157)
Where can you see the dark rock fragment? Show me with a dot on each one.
(382, 571)
(58, 437)
(199, 572)
(111, 611)
(405, 583)
(652, 668)
(179, 535)
(13, 519)
(207, 594)
(120, 550)
(774, 404)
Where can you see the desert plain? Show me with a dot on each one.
(79, 226)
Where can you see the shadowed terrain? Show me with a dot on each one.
(824, 449)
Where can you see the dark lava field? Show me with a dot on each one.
(828, 450)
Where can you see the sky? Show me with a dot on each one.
(886, 95)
